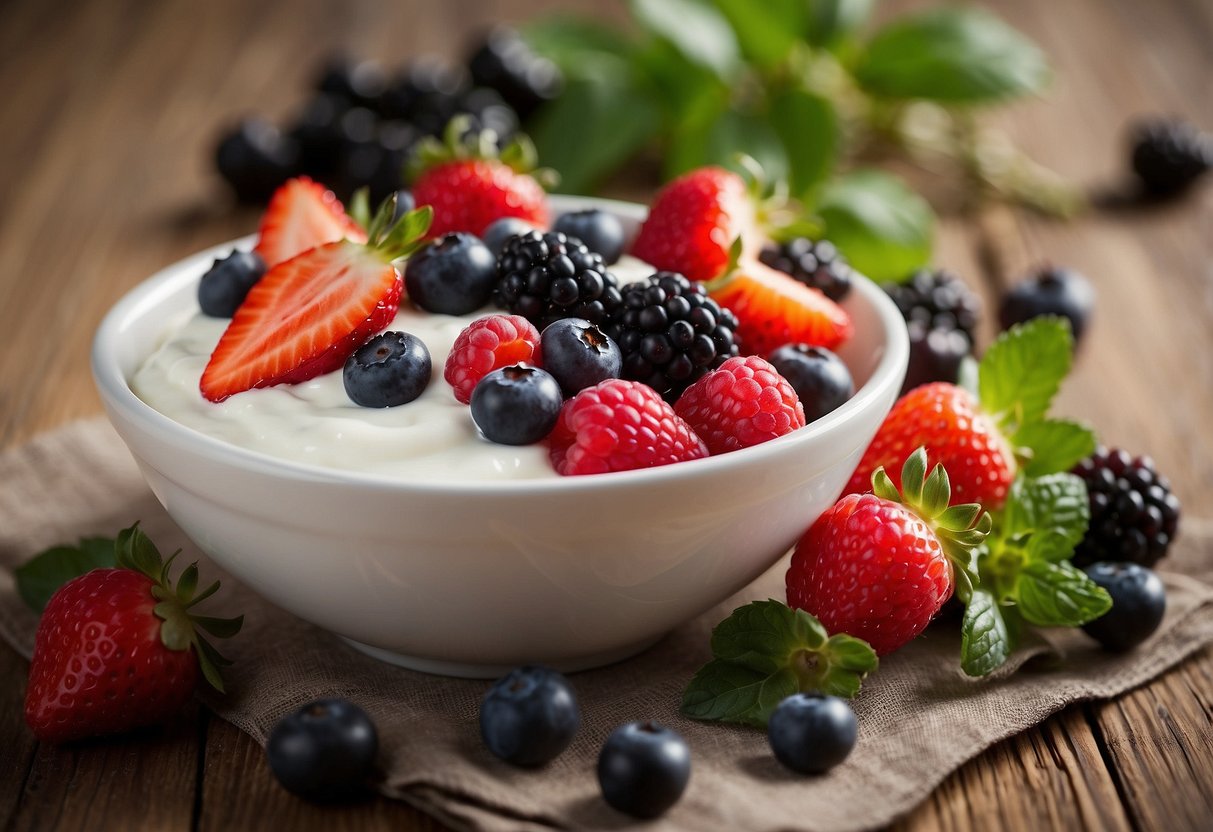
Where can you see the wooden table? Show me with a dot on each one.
(109, 110)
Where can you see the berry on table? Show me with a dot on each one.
(1050, 291)
(600, 230)
(1169, 155)
(325, 751)
(818, 265)
(743, 402)
(546, 277)
(453, 275)
(359, 82)
(578, 354)
(316, 130)
(529, 716)
(254, 158)
(501, 230)
(227, 282)
(391, 369)
(488, 344)
(1134, 515)
(812, 733)
(820, 378)
(941, 313)
(1139, 601)
(504, 62)
(643, 769)
(516, 405)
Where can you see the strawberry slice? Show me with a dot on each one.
(301, 215)
(775, 309)
(306, 316)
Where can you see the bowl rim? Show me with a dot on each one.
(146, 296)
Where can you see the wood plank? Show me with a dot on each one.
(17, 742)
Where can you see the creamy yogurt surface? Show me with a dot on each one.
(431, 438)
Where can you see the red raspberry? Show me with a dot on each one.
(488, 344)
(743, 402)
(619, 425)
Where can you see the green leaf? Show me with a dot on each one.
(574, 44)
(219, 627)
(832, 21)
(134, 550)
(727, 692)
(807, 124)
(953, 55)
(1022, 371)
(1054, 445)
(1047, 547)
(718, 139)
(882, 226)
(761, 635)
(985, 642)
(851, 659)
(39, 578)
(766, 31)
(1059, 595)
(1054, 503)
(698, 31)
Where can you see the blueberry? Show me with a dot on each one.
(578, 354)
(501, 230)
(1138, 604)
(812, 733)
(529, 716)
(601, 231)
(936, 354)
(817, 375)
(516, 405)
(324, 751)
(1051, 291)
(643, 769)
(391, 369)
(255, 159)
(226, 284)
(453, 275)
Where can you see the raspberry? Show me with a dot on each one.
(818, 265)
(1134, 515)
(620, 425)
(744, 402)
(488, 344)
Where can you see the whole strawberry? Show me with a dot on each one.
(743, 402)
(118, 648)
(470, 187)
(879, 566)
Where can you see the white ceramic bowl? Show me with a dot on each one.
(470, 579)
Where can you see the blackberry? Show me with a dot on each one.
(1134, 515)
(255, 159)
(671, 333)
(941, 313)
(1168, 155)
(360, 82)
(1050, 291)
(818, 265)
(504, 62)
(426, 95)
(546, 277)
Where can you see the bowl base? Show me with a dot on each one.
(496, 671)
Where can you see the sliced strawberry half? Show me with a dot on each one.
(303, 214)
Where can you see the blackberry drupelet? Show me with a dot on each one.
(1168, 155)
(671, 333)
(546, 277)
(818, 265)
(941, 313)
(504, 62)
(1134, 515)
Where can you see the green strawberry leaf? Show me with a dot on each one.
(698, 31)
(1052, 593)
(1022, 371)
(39, 578)
(135, 550)
(1055, 503)
(985, 638)
(1053, 445)
(882, 226)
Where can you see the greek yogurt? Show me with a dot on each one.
(430, 439)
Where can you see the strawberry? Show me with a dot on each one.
(775, 309)
(956, 432)
(879, 566)
(302, 214)
(307, 315)
(469, 186)
(118, 648)
(743, 402)
(693, 222)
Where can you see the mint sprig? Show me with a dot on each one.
(765, 652)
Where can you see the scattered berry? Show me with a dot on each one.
(1169, 155)
(501, 230)
(529, 716)
(488, 344)
(505, 63)
(225, 285)
(302, 215)
(821, 381)
(1050, 291)
(516, 405)
(600, 230)
(359, 82)
(643, 769)
(671, 333)
(620, 425)
(546, 277)
(317, 132)
(453, 275)
(1134, 515)
(742, 403)
(255, 159)
(941, 313)
(578, 354)
(325, 751)
(818, 265)
(391, 369)
(812, 733)
(1139, 602)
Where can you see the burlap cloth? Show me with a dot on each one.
(919, 717)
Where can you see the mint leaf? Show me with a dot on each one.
(1054, 445)
(1056, 503)
(571, 43)
(959, 56)
(1056, 594)
(832, 21)
(766, 31)
(39, 578)
(882, 226)
(726, 692)
(700, 32)
(715, 137)
(985, 640)
(1022, 371)
(762, 634)
(807, 124)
